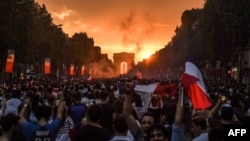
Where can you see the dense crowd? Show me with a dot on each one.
(96, 110)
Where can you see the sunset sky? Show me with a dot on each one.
(140, 26)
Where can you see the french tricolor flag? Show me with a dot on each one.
(89, 77)
(146, 91)
(193, 83)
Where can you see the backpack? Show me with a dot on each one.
(42, 134)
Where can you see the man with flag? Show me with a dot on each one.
(193, 83)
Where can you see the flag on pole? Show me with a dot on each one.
(72, 69)
(47, 66)
(193, 82)
(10, 61)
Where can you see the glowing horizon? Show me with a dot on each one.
(122, 26)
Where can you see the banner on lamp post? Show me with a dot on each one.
(47, 66)
(10, 61)
(82, 70)
(72, 69)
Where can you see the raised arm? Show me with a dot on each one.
(179, 118)
(212, 112)
(128, 110)
(24, 111)
(178, 126)
(61, 109)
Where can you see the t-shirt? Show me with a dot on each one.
(107, 118)
(36, 132)
(42, 134)
(77, 112)
(67, 125)
(12, 106)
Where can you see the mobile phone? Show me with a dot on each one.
(223, 98)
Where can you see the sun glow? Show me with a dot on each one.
(146, 54)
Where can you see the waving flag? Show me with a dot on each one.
(193, 82)
(146, 91)
(89, 77)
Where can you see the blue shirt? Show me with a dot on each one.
(177, 133)
(77, 112)
(32, 130)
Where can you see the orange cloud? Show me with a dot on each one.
(62, 14)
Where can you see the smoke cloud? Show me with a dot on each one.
(100, 69)
(136, 28)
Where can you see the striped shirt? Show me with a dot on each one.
(68, 124)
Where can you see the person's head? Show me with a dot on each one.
(94, 113)
(154, 100)
(77, 96)
(118, 106)
(43, 111)
(147, 120)
(167, 97)
(138, 101)
(213, 122)
(9, 123)
(103, 95)
(34, 101)
(16, 93)
(119, 124)
(198, 125)
(158, 132)
(227, 112)
(216, 134)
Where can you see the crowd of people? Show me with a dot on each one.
(83, 110)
